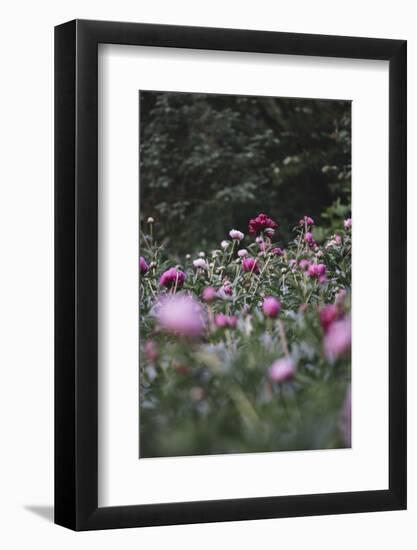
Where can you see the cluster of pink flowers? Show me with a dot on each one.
(317, 271)
(306, 221)
(225, 321)
(172, 277)
(309, 239)
(260, 223)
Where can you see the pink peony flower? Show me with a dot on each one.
(236, 235)
(200, 262)
(346, 419)
(260, 223)
(277, 251)
(304, 264)
(242, 253)
(151, 351)
(143, 266)
(338, 339)
(317, 270)
(225, 321)
(271, 307)
(328, 315)
(181, 315)
(347, 223)
(282, 369)
(250, 265)
(172, 277)
(209, 294)
(306, 221)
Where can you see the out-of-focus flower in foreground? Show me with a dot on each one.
(181, 315)
(271, 307)
(143, 266)
(282, 369)
(209, 294)
(242, 253)
(328, 315)
(236, 235)
(260, 223)
(172, 277)
(250, 265)
(225, 244)
(338, 339)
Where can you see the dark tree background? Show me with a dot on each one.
(210, 162)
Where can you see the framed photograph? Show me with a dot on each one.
(230, 253)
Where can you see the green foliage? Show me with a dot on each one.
(208, 162)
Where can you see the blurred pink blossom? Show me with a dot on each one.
(282, 369)
(181, 315)
(271, 306)
(304, 264)
(347, 223)
(328, 315)
(225, 321)
(242, 253)
(209, 294)
(338, 339)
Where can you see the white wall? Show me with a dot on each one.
(26, 273)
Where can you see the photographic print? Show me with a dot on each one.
(244, 274)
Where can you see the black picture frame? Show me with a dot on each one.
(76, 271)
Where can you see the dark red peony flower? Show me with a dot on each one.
(261, 222)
